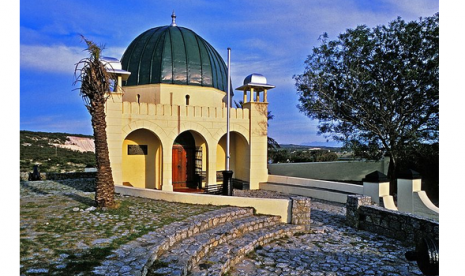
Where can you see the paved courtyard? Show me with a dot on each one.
(332, 248)
(62, 235)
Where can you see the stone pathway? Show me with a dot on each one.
(331, 248)
(60, 234)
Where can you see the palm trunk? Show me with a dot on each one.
(104, 194)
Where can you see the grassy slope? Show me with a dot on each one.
(38, 148)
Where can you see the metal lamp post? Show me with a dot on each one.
(227, 174)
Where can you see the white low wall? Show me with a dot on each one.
(265, 206)
(320, 189)
(337, 170)
(423, 206)
(411, 199)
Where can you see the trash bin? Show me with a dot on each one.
(227, 183)
(35, 175)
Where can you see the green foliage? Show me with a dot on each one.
(376, 90)
(279, 156)
(38, 148)
(327, 157)
(299, 156)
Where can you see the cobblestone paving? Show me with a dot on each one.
(61, 233)
(331, 248)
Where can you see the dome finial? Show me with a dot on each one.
(173, 19)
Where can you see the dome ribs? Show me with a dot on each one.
(174, 55)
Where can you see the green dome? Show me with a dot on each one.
(175, 55)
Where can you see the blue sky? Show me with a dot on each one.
(271, 37)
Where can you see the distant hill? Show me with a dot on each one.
(308, 147)
(55, 152)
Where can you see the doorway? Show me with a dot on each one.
(184, 162)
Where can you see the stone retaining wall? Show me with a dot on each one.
(301, 211)
(58, 176)
(361, 214)
(24, 176)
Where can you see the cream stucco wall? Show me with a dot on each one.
(258, 139)
(171, 94)
(221, 155)
(265, 206)
(166, 115)
(113, 111)
(142, 171)
(239, 156)
(143, 93)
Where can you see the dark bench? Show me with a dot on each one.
(240, 184)
(216, 189)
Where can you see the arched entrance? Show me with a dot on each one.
(184, 159)
(141, 160)
(239, 156)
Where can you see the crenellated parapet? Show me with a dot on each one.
(214, 113)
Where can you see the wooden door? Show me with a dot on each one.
(190, 167)
(179, 167)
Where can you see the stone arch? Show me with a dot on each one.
(239, 155)
(190, 126)
(233, 128)
(153, 127)
(142, 153)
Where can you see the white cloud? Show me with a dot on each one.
(275, 70)
(298, 23)
(413, 9)
(56, 58)
(276, 43)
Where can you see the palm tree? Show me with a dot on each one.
(95, 85)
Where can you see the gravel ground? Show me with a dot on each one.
(61, 233)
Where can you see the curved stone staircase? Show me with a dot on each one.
(223, 257)
(207, 244)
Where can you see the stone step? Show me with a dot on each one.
(226, 255)
(183, 256)
(136, 257)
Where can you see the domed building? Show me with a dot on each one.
(167, 123)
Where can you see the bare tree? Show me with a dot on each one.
(96, 83)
